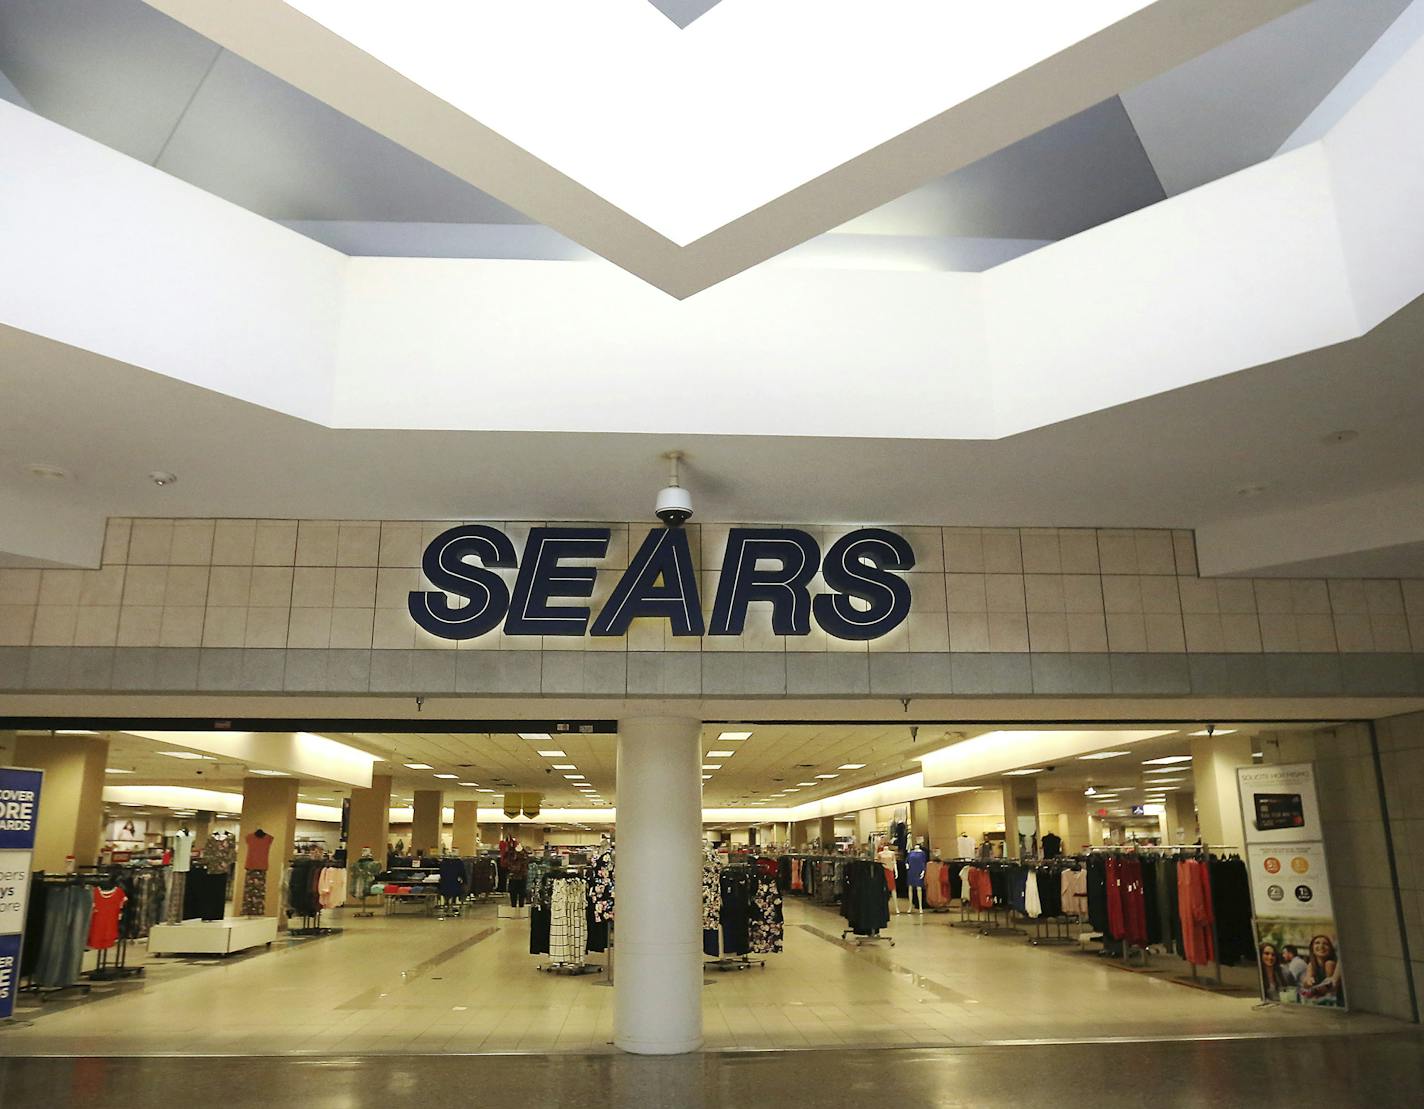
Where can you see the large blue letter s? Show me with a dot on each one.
(445, 568)
(860, 565)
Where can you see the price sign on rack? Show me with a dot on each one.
(19, 817)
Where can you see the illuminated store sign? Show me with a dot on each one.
(866, 594)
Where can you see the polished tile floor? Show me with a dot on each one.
(464, 985)
(1334, 1072)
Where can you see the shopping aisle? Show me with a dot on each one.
(468, 984)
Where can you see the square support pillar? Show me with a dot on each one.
(271, 805)
(426, 821)
(1215, 760)
(465, 833)
(72, 800)
(370, 819)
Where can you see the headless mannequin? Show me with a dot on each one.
(889, 860)
(915, 863)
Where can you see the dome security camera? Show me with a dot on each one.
(674, 504)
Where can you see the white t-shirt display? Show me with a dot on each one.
(965, 847)
(182, 852)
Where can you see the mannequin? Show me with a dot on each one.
(890, 860)
(915, 865)
(254, 886)
(178, 876)
(518, 877)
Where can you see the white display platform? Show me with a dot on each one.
(509, 912)
(212, 937)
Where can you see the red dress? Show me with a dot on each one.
(104, 924)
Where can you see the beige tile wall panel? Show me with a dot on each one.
(320, 606)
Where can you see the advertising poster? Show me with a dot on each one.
(1278, 803)
(1297, 943)
(1290, 880)
(1300, 962)
(19, 818)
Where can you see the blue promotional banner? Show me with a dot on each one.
(19, 819)
(19, 807)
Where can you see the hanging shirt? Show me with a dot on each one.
(964, 845)
(104, 924)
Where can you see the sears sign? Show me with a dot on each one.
(866, 593)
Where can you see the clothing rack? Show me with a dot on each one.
(312, 926)
(563, 967)
(112, 962)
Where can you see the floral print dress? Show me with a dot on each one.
(766, 926)
(600, 890)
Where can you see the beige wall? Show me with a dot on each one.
(426, 824)
(974, 813)
(71, 799)
(1362, 882)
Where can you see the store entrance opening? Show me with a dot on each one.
(541, 890)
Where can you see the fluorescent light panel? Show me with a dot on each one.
(535, 735)
(418, 766)
(1167, 760)
(732, 737)
(190, 756)
(1025, 772)
(553, 754)
(851, 766)
(1097, 755)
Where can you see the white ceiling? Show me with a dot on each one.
(766, 769)
(122, 73)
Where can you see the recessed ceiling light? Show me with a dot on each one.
(1216, 731)
(790, 789)
(446, 775)
(116, 770)
(1258, 754)
(564, 766)
(805, 783)
(418, 766)
(191, 756)
(1090, 792)
(732, 737)
(1025, 772)
(272, 773)
(711, 766)
(827, 775)
(720, 754)
(553, 754)
(1159, 782)
(486, 790)
(1166, 760)
(707, 777)
(574, 777)
(1103, 755)
(73, 731)
(852, 766)
(535, 735)
(469, 785)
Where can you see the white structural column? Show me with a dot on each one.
(658, 985)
